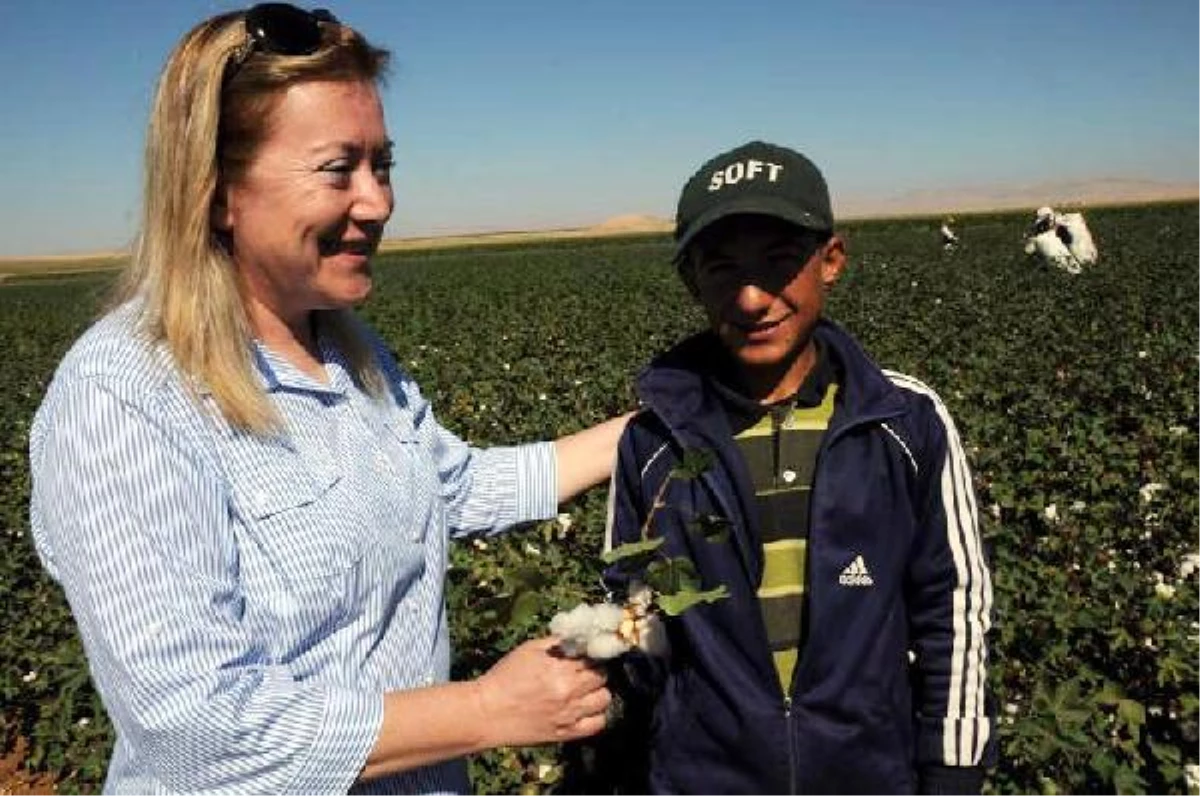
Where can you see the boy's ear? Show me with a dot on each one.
(833, 261)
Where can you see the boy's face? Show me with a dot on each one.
(762, 283)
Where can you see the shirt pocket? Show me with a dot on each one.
(296, 514)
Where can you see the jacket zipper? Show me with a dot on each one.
(777, 423)
(791, 741)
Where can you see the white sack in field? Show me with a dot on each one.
(1081, 246)
(1050, 248)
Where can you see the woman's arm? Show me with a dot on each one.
(586, 457)
(531, 696)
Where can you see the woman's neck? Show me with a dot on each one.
(293, 338)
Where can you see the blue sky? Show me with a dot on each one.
(543, 114)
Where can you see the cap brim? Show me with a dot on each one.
(751, 205)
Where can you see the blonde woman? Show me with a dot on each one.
(246, 501)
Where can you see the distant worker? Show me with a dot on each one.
(949, 239)
(1061, 239)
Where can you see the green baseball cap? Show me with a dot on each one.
(760, 178)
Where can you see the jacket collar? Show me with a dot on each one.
(674, 385)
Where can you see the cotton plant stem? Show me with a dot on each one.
(658, 503)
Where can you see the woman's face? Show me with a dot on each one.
(309, 211)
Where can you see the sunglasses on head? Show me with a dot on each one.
(280, 28)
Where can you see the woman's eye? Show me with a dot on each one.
(338, 167)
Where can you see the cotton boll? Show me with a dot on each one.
(579, 627)
(606, 617)
(603, 646)
(573, 628)
(653, 637)
(641, 597)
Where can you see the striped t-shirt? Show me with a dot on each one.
(779, 443)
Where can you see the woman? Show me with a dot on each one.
(244, 498)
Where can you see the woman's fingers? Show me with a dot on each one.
(534, 695)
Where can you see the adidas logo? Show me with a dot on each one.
(856, 574)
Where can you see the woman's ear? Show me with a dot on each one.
(833, 261)
(219, 216)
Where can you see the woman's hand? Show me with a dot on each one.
(535, 695)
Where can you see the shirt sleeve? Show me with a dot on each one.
(134, 523)
(950, 594)
(486, 489)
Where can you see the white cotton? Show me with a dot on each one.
(583, 624)
(641, 596)
(1148, 491)
(603, 646)
(653, 638)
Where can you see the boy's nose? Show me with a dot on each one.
(753, 299)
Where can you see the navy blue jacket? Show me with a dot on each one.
(891, 678)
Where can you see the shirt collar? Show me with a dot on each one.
(278, 374)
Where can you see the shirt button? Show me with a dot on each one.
(789, 476)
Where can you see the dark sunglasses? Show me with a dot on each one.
(280, 28)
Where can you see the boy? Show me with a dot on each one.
(850, 655)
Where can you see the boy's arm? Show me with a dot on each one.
(627, 512)
(950, 600)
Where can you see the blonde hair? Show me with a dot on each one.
(204, 130)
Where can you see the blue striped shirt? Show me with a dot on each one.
(245, 602)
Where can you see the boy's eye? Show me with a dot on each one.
(720, 269)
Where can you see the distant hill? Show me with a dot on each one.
(964, 199)
(1078, 194)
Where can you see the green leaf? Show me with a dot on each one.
(525, 578)
(631, 549)
(1133, 715)
(667, 576)
(675, 604)
(524, 607)
(1110, 694)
